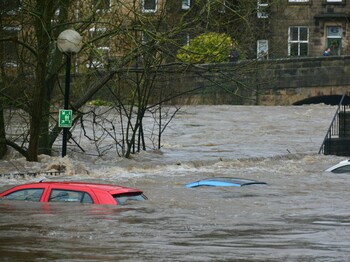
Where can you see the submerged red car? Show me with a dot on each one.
(78, 192)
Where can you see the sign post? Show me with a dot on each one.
(68, 42)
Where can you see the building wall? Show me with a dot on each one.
(316, 15)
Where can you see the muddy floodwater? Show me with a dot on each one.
(301, 214)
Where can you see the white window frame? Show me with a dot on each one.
(262, 9)
(334, 1)
(298, 41)
(298, 1)
(186, 4)
(149, 10)
(262, 49)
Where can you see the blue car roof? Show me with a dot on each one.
(224, 181)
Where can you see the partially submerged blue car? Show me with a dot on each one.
(224, 181)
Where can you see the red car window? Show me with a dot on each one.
(59, 195)
(123, 199)
(30, 194)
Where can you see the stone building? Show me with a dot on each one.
(306, 27)
(278, 28)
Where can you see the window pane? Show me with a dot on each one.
(294, 33)
(87, 199)
(185, 4)
(58, 195)
(26, 194)
(123, 199)
(303, 49)
(149, 4)
(262, 49)
(294, 49)
(303, 34)
(343, 169)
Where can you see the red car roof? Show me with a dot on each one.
(105, 187)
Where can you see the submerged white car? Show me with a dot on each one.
(341, 167)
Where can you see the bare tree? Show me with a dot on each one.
(128, 54)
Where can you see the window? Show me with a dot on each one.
(262, 49)
(149, 6)
(10, 6)
(298, 41)
(33, 194)
(9, 47)
(262, 9)
(123, 199)
(298, 1)
(101, 5)
(334, 39)
(186, 4)
(342, 169)
(59, 195)
(334, 1)
(100, 54)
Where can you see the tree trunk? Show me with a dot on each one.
(41, 25)
(3, 147)
(36, 114)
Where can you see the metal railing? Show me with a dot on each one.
(31, 174)
(333, 129)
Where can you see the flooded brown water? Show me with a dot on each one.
(302, 214)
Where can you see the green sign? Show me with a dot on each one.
(65, 118)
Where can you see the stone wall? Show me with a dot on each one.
(267, 82)
(292, 80)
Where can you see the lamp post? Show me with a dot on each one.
(68, 42)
